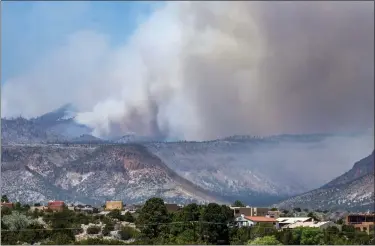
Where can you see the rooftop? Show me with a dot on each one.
(260, 219)
(307, 224)
(56, 203)
(291, 220)
(362, 214)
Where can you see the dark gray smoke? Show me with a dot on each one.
(314, 72)
(204, 70)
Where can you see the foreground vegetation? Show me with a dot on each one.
(194, 224)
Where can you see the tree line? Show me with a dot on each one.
(193, 224)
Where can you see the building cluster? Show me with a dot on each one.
(244, 216)
(58, 206)
(250, 216)
(361, 221)
(109, 206)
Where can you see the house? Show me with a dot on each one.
(312, 224)
(104, 213)
(284, 221)
(249, 221)
(113, 205)
(87, 210)
(242, 221)
(38, 208)
(130, 208)
(249, 211)
(172, 207)
(7, 204)
(361, 221)
(56, 206)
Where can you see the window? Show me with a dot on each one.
(236, 211)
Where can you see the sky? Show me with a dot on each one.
(192, 70)
(31, 29)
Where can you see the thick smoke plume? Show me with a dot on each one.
(204, 70)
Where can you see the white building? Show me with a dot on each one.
(249, 221)
(284, 221)
(249, 211)
(313, 224)
(104, 212)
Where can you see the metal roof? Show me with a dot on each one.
(291, 220)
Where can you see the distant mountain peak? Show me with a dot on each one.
(55, 126)
(67, 107)
(65, 112)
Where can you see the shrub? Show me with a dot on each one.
(266, 240)
(128, 217)
(62, 237)
(108, 221)
(4, 198)
(313, 215)
(16, 221)
(81, 218)
(79, 229)
(93, 230)
(34, 234)
(99, 241)
(5, 211)
(127, 233)
(35, 214)
(116, 214)
(107, 229)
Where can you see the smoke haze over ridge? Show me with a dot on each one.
(202, 70)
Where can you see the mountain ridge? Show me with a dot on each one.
(92, 175)
(360, 168)
(257, 170)
(353, 189)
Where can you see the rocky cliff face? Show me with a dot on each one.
(353, 190)
(92, 174)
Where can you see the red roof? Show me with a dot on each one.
(260, 219)
(7, 204)
(56, 203)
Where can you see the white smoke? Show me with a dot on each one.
(203, 70)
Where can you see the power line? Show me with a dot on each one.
(44, 229)
(185, 223)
